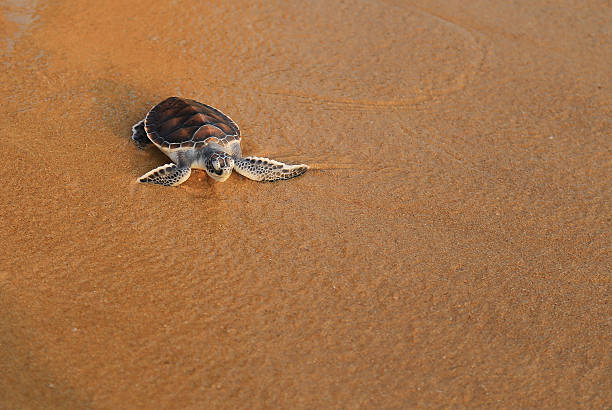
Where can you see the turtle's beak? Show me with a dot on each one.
(221, 174)
(220, 177)
(221, 166)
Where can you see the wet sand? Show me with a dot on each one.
(449, 247)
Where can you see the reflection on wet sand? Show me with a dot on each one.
(15, 18)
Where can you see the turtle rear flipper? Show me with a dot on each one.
(169, 175)
(139, 135)
(267, 170)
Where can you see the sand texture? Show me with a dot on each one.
(450, 245)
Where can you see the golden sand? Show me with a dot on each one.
(449, 247)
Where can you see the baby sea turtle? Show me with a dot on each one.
(196, 135)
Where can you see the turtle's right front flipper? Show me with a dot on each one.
(266, 169)
(168, 175)
(139, 135)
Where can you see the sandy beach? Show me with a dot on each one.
(449, 247)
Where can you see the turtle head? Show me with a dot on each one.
(219, 165)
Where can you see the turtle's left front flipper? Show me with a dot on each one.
(266, 169)
(168, 175)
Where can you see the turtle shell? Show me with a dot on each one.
(179, 123)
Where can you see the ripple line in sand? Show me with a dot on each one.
(441, 73)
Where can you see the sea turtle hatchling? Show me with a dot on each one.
(195, 135)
